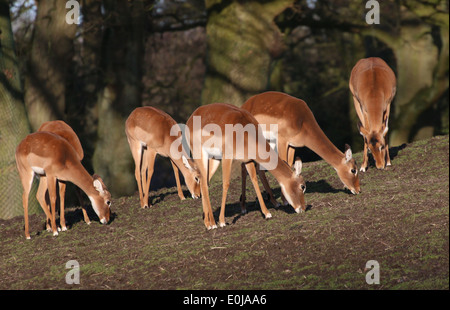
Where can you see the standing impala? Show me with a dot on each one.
(373, 86)
(148, 132)
(218, 117)
(63, 130)
(297, 127)
(47, 154)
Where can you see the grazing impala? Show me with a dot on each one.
(148, 132)
(47, 154)
(217, 117)
(65, 131)
(297, 127)
(373, 86)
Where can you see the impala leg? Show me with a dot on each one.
(62, 194)
(386, 120)
(27, 180)
(244, 187)
(40, 196)
(208, 216)
(83, 208)
(284, 155)
(226, 174)
(252, 173)
(150, 164)
(388, 158)
(51, 185)
(177, 179)
(365, 157)
(262, 176)
(137, 152)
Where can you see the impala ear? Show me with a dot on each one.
(385, 130)
(348, 153)
(186, 163)
(298, 166)
(362, 131)
(98, 186)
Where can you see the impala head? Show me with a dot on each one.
(294, 188)
(376, 142)
(192, 178)
(101, 203)
(348, 171)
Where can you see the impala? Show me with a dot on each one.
(148, 131)
(47, 154)
(373, 86)
(236, 146)
(297, 127)
(65, 131)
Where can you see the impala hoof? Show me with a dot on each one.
(222, 224)
(55, 233)
(268, 216)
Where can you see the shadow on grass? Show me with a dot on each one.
(393, 152)
(73, 216)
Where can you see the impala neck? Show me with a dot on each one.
(183, 169)
(281, 172)
(319, 143)
(81, 178)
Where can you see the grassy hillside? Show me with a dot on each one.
(401, 220)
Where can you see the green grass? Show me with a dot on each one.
(400, 219)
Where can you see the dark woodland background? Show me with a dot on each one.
(179, 54)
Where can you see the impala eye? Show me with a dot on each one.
(303, 187)
(108, 203)
(354, 171)
(197, 180)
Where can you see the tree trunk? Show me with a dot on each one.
(49, 64)
(242, 42)
(122, 64)
(13, 122)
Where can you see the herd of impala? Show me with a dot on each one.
(54, 152)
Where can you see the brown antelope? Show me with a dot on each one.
(297, 127)
(61, 129)
(216, 118)
(47, 154)
(148, 132)
(373, 86)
